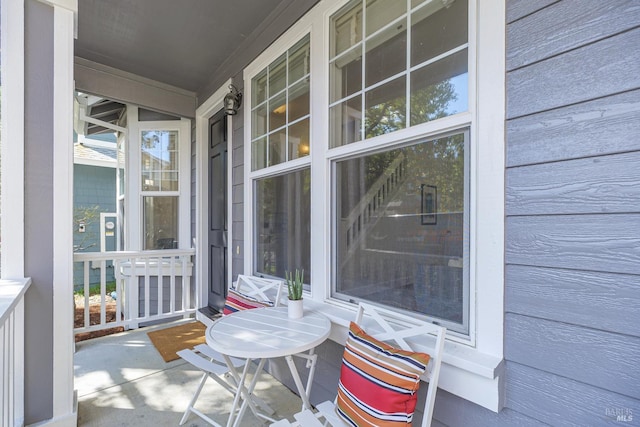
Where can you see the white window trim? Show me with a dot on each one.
(473, 366)
(134, 194)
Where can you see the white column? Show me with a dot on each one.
(12, 139)
(64, 411)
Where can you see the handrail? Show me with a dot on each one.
(149, 285)
(157, 253)
(11, 292)
(12, 351)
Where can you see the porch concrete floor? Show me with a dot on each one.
(121, 380)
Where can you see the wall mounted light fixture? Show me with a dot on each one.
(232, 101)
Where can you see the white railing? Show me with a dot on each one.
(12, 351)
(149, 286)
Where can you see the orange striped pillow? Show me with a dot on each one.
(237, 301)
(378, 382)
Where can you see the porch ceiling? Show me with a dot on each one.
(180, 43)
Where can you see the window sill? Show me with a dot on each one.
(466, 372)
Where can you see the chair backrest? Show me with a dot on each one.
(395, 328)
(260, 288)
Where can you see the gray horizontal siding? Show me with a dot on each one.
(452, 410)
(605, 184)
(572, 274)
(604, 126)
(585, 242)
(576, 297)
(517, 9)
(561, 401)
(568, 25)
(601, 359)
(600, 69)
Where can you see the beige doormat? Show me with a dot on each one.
(171, 340)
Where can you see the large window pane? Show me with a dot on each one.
(386, 55)
(436, 30)
(160, 218)
(440, 89)
(299, 139)
(346, 122)
(346, 75)
(282, 225)
(299, 61)
(386, 108)
(382, 12)
(159, 157)
(377, 66)
(280, 110)
(277, 147)
(298, 101)
(346, 28)
(401, 228)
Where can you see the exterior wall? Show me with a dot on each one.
(93, 186)
(573, 220)
(573, 205)
(237, 190)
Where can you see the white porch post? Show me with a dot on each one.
(12, 139)
(12, 146)
(64, 411)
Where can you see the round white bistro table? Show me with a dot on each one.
(265, 333)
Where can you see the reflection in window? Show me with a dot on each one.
(159, 157)
(402, 225)
(160, 222)
(280, 108)
(283, 212)
(436, 79)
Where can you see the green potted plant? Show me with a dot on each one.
(295, 284)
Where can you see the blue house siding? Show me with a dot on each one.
(92, 186)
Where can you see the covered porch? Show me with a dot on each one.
(122, 380)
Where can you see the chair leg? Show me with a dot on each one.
(194, 398)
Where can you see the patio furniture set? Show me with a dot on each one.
(380, 374)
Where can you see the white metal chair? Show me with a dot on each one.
(213, 364)
(395, 329)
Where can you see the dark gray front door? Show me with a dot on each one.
(217, 209)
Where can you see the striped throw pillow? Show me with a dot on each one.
(237, 301)
(378, 383)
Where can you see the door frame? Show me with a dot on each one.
(203, 113)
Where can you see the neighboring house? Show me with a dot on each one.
(94, 193)
(474, 162)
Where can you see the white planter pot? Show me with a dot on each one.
(295, 309)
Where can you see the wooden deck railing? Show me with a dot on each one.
(149, 286)
(12, 351)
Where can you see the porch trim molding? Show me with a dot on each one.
(207, 109)
(64, 408)
(130, 88)
(12, 50)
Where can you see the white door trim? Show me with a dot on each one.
(203, 113)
